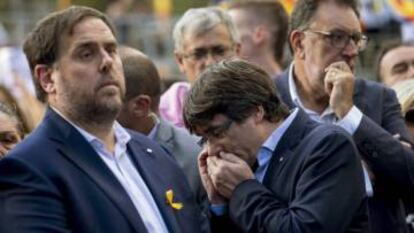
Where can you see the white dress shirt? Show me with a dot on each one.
(128, 176)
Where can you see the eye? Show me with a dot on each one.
(218, 51)
(8, 138)
(112, 49)
(86, 54)
(339, 36)
(400, 68)
(199, 54)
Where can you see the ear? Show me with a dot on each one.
(296, 41)
(43, 73)
(259, 34)
(179, 58)
(140, 106)
(259, 114)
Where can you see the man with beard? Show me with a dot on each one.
(326, 37)
(80, 171)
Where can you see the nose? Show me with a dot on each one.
(106, 62)
(351, 49)
(211, 59)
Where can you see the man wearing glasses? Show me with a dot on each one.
(268, 169)
(203, 36)
(326, 37)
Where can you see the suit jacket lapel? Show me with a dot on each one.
(359, 101)
(282, 85)
(76, 149)
(155, 180)
(164, 135)
(290, 139)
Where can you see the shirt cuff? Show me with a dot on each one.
(368, 185)
(219, 209)
(351, 121)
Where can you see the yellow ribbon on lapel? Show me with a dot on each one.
(170, 196)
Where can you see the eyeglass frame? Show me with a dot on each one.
(330, 34)
(208, 51)
(216, 132)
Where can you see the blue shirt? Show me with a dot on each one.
(269, 146)
(263, 156)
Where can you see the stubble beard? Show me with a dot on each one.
(93, 110)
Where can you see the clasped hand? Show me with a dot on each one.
(220, 174)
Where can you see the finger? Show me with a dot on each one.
(406, 144)
(229, 157)
(340, 65)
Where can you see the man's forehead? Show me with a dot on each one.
(400, 52)
(331, 16)
(88, 31)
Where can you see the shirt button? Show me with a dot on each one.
(281, 159)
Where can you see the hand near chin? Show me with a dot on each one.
(226, 171)
(339, 84)
(213, 195)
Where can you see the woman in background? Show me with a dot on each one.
(11, 131)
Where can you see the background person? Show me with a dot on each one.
(326, 38)
(202, 36)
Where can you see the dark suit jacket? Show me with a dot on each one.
(314, 183)
(390, 161)
(184, 148)
(54, 181)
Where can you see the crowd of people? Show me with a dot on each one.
(272, 131)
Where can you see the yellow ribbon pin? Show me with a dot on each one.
(170, 196)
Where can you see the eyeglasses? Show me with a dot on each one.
(340, 39)
(215, 132)
(216, 52)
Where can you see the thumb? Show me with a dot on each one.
(229, 157)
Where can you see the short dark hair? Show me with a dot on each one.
(141, 76)
(305, 10)
(42, 45)
(274, 15)
(385, 48)
(233, 88)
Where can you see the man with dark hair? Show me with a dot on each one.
(262, 27)
(80, 171)
(396, 62)
(326, 37)
(140, 113)
(303, 167)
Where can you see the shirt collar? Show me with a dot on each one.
(122, 137)
(272, 141)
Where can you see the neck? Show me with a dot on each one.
(145, 125)
(99, 127)
(268, 63)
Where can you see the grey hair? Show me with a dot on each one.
(198, 21)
